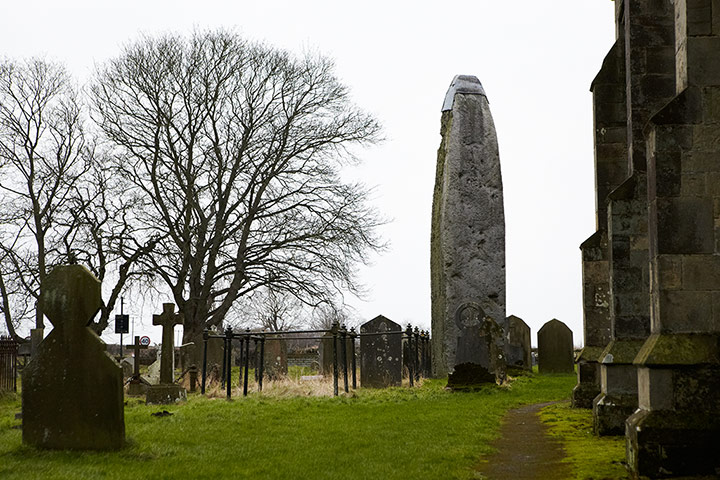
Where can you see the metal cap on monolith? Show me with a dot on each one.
(462, 84)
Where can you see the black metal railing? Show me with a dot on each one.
(418, 347)
(8, 364)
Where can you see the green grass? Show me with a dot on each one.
(590, 457)
(395, 433)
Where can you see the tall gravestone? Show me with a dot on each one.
(72, 389)
(380, 353)
(517, 343)
(167, 391)
(468, 225)
(555, 348)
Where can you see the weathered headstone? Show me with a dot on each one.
(517, 344)
(152, 375)
(72, 392)
(127, 366)
(481, 349)
(136, 386)
(467, 256)
(326, 354)
(276, 359)
(167, 391)
(555, 348)
(380, 353)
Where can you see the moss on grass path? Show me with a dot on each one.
(424, 433)
(590, 457)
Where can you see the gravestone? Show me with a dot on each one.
(380, 353)
(467, 254)
(152, 376)
(72, 393)
(555, 348)
(136, 386)
(517, 343)
(326, 354)
(480, 349)
(167, 391)
(276, 359)
(127, 366)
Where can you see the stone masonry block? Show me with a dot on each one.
(685, 311)
(701, 272)
(685, 225)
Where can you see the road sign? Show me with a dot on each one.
(122, 324)
(145, 341)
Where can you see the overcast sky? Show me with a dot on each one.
(535, 60)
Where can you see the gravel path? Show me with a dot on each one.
(524, 450)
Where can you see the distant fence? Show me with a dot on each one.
(8, 364)
(416, 359)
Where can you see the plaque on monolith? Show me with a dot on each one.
(480, 356)
(380, 353)
(72, 389)
(467, 257)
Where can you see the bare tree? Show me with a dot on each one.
(234, 149)
(58, 202)
(43, 156)
(270, 310)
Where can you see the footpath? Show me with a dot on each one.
(525, 450)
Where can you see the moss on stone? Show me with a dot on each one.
(679, 349)
(621, 351)
(589, 354)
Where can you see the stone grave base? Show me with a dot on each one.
(610, 413)
(137, 389)
(470, 376)
(664, 444)
(164, 394)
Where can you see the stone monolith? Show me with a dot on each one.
(468, 226)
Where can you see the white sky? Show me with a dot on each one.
(535, 60)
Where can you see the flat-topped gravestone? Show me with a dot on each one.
(380, 353)
(72, 389)
(167, 391)
(517, 344)
(467, 246)
(555, 348)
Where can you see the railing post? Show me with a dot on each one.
(334, 331)
(416, 361)
(343, 350)
(206, 336)
(409, 349)
(353, 336)
(261, 362)
(228, 368)
(247, 361)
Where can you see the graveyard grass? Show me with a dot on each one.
(396, 433)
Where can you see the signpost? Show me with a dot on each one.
(122, 324)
